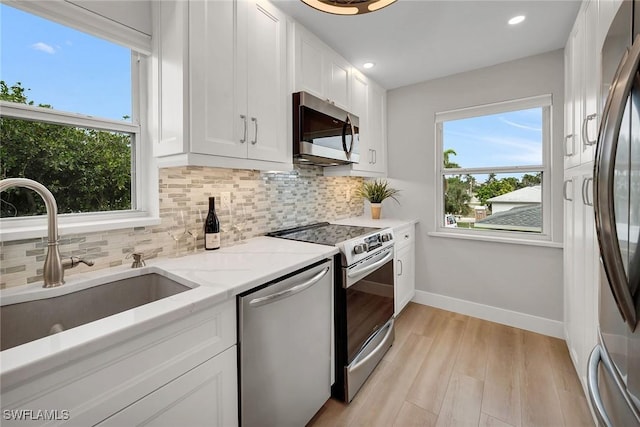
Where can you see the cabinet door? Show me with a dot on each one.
(206, 395)
(405, 276)
(338, 75)
(573, 141)
(218, 78)
(171, 19)
(591, 61)
(377, 120)
(267, 83)
(309, 72)
(360, 107)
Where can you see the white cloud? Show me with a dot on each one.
(518, 125)
(44, 48)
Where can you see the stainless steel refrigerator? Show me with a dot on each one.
(614, 364)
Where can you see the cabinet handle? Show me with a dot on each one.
(585, 130)
(370, 156)
(406, 237)
(585, 192)
(564, 190)
(566, 141)
(400, 267)
(375, 156)
(244, 134)
(255, 121)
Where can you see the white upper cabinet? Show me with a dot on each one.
(368, 102)
(319, 70)
(233, 79)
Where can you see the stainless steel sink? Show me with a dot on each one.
(28, 321)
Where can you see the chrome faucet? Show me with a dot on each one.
(53, 265)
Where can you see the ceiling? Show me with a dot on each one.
(412, 41)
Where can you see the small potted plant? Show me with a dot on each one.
(375, 192)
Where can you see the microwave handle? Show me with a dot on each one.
(347, 123)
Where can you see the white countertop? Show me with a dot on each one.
(367, 221)
(217, 276)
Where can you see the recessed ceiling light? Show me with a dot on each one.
(516, 20)
(368, 65)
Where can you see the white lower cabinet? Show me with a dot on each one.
(206, 395)
(581, 275)
(405, 269)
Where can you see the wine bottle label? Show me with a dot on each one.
(212, 240)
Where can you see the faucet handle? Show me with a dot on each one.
(138, 259)
(74, 261)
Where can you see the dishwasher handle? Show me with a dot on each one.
(257, 302)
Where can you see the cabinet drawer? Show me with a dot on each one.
(404, 235)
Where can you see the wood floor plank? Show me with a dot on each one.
(540, 401)
(573, 402)
(529, 379)
(487, 420)
(430, 385)
(472, 357)
(384, 403)
(462, 402)
(411, 415)
(501, 398)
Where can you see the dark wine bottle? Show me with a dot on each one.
(212, 227)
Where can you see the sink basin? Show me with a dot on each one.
(24, 322)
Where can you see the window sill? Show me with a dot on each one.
(496, 239)
(32, 228)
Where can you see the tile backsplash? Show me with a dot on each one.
(259, 202)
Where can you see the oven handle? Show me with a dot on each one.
(370, 268)
(290, 291)
(374, 352)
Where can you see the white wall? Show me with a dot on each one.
(135, 14)
(524, 279)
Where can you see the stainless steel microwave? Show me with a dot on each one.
(323, 134)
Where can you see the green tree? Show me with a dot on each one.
(456, 196)
(87, 170)
(494, 187)
(531, 180)
(446, 154)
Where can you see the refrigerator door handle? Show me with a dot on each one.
(599, 354)
(604, 181)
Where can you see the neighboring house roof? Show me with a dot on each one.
(521, 218)
(523, 195)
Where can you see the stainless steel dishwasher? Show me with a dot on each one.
(284, 340)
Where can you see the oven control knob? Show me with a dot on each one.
(361, 248)
(386, 237)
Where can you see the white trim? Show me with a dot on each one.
(35, 227)
(547, 236)
(494, 108)
(540, 325)
(50, 115)
(72, 15)
(486, 236)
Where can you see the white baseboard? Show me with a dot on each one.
(553, 328)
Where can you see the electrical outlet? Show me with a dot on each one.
(225, 198)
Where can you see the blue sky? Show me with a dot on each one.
(505, 139)
(68, 69)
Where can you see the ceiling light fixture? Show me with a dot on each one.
(348, 7)
(368, 65)
(516, 20)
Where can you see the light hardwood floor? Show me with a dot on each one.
(447, 369)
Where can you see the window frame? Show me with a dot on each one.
(144, 173)
(544, 238)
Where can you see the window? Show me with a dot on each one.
(494, 169)
(69, 107)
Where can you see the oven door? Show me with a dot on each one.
(369, 305)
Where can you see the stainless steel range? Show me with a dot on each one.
(363, 298)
